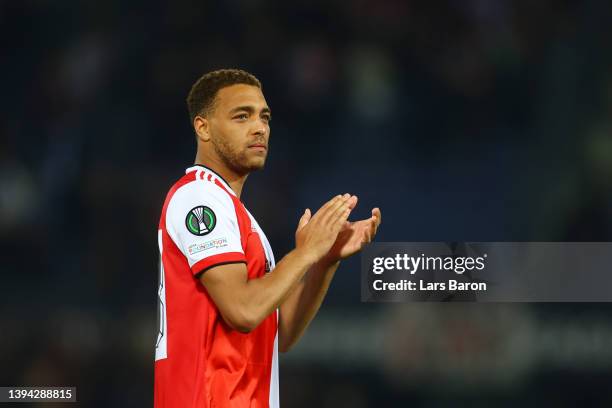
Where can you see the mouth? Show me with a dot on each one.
(260, 147)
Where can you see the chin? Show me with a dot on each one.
(253, 165)
(257, 166)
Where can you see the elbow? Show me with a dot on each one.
(285, 345)
(244, 327)
(242, 322)
(238, 325)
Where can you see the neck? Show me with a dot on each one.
(235, 180)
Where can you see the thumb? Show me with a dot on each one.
(304, 220)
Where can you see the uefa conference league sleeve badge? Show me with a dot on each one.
(201, 220)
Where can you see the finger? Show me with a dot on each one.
(304, 219)
(373, 225)
(372, 231)
(326, 207)
(341, 221)
(339, 212)
(376, 213)
(353, 201)
(333, 212)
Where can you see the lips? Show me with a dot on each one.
(258, 146)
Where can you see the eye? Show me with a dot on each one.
(241, 116)
(267, 118)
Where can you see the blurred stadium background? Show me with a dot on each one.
(469, 120)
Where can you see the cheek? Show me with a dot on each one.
(232, 135)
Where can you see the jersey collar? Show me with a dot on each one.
(201, 167)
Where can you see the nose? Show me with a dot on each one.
(260, 128)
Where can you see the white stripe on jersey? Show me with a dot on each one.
(161, 346)
(274, 399)
(204, 173)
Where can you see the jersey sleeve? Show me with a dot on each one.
(201, 220)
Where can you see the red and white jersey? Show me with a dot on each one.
(199, 360)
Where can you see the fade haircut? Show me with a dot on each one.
(201, 98)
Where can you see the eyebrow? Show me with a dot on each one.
(250, 109)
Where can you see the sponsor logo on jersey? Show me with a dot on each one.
(203, 246)
(201, 220)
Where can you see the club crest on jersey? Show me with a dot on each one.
(201, 220)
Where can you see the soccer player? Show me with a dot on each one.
(225, 308)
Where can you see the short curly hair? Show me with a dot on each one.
(201, 97)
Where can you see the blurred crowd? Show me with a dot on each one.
(466, 120)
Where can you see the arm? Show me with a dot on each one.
(244, 303)
(303, 303)
(305, 300)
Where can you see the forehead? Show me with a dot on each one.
(233, 96)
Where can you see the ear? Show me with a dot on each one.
(201, 126)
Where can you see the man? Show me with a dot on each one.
(225, 308)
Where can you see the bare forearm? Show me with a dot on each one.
(264, 295)
(304, 302)
(244, 303)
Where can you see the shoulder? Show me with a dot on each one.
(201, 219)
(193, 192)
